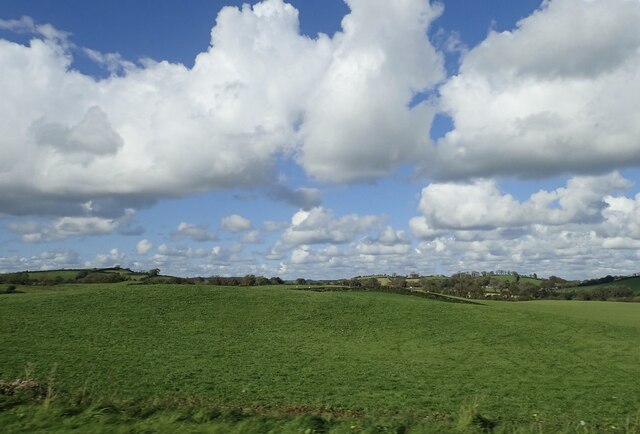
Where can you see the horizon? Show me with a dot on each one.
(321, 139)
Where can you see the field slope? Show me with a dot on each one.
(358, 356)
(632, 283)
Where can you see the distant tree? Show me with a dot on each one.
(301, 281)
(81, 274)
(354, 283)
(398, 282)
(248, 280)
(261, 280)
(101, 277)
(153, 272)
(371, 282)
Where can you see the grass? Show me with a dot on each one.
(630, 282)
(283, 356)
(72, 274)
(53, 274)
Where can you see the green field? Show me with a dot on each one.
(70, 275)
(53, 274)
(127, 358)
(629, 282)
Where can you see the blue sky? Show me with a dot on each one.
(321, 138)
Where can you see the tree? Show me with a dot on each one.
(371, 282)
(153, 272)
(398, 282)
(354, 283)
(248, 280)
(261, 280)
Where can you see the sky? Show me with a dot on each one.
(321, 138)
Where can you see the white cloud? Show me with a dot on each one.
(581, 230)
(481, 205)
(557, 94)
(66, 227)
(185, 252)
(261, 91)
(113, 62)
(193, 232)
(27, 25)
(46, 260)
(92, 136)
(143, 247)
(235, 223)
(319, 226)
(253, 237)
(274, 226)
(111, 259)
(358, 123)
(622, 217)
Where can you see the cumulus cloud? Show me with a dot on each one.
(481, 205)
(555, 95)
(46, 260)
(587, 228)
(185, 252)
(252, 237)
(235, 223)
(262, 90)
(193, 232)
(319, 225)
(93, 135)
(112, 258)
(358, 123)
(143, 247)
(66, 227)
(113, 62)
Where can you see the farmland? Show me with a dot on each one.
(219, 359)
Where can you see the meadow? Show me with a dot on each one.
(189, 358)
(632, 283)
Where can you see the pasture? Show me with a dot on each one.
(632, 283)
(189, 358)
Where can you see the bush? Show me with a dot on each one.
(99, 277)
(11, 289)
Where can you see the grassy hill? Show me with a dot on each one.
(73, 275)
(167, 358)
(630, 282)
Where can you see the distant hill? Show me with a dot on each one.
(92, 275)
(632, 282)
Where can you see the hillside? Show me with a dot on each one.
(358, 359)
(630, 282)
(81, 275)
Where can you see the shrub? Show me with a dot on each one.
(99, 277)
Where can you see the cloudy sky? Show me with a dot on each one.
(321, 138)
